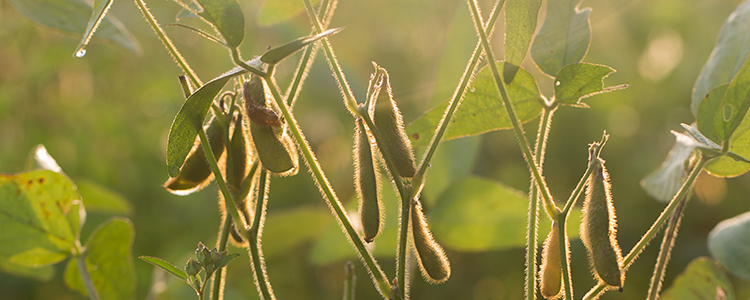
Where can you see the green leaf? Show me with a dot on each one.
(275, 55)
(729, 54)
(729, 242)
(708, 112)
(482, 108)
(98, 198)
(477, 214)
(164, 265)
(739, 144)
(40, 217)
(663, 183)
(225, 260)
(72, 16)
(520, 24)
(581, 80)
(42, 274)
(189, 120)
(226, 16)
(284, 230)
(109, 260)
(564, 37)
(276, 11)
(97, 15)
(734, 106)
(701, 280)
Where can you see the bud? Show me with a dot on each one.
(432, 260)
(366, 184)
(390, 124)
(192, 267)
(550, 275)
(599, 228)
(195, 173)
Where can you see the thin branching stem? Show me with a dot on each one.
(665, 251)
(597, 290)
(168, 44)
(253, 238)
(517, 128)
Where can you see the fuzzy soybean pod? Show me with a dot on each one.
(240, 159)
(599, 228)
(390, 124)
(550, 275)
(195, 172)
(275, 149)
(432, 259)
(366, 184)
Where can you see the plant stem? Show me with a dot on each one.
(253, 239)
(419, 178)
(596, 291)
(218, 286)
(532, 235)
(351, 279)
(83, 270)
(665, 250)
(523, 142)
(564, 258)
(168, 44)
(330, 196)
(349, 100)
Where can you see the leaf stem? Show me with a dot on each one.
(253, 237)
(564, 258)
(596, 291)
(83, 270)
(218, 286)
(168, 44)
(523, 142)
(350, 283)
(665, 250)
(419, 178)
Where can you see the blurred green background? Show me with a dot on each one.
(105, 118)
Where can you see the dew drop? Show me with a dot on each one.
(81, 53)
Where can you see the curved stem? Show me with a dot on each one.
(517, 129)
(83, 270)
(168, 44)
(596, 291)
(253, 239)
(665, 250)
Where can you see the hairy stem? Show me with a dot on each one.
(665, 251)
(597, 290)
(83, 271)
(350, 283)
(517, 129)
(168, 44)
(218, 286)
(564, 258)
(253, 239)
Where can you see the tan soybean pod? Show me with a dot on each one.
(195, 172)
(550, 274)
(599, 228)
(366, 184)
(432, 259)
(390, 124)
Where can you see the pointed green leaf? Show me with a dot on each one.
(520, 24)
(40, 217)
(189, 119)
(226, 16)
(729, 242)
(165, 265)
(109, 260)
(98, 198)
(729, 54)
(477, 214)
(482, 108)
(72, 16)
(276, 11)
(42, 274)
(564, 37)
(581, 80)
(225, 260)
(275, 55)
(701, 280)
(739, 144)
(284, 230)
(708, 112)
(97, 15)
(663, 183)
(734, 106)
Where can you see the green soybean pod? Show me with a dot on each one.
(432, 259)
(550, 274)
(599, 228)
(240, 159)
(274, 150)
(366, 184)
(195, 172)
(389, 122)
